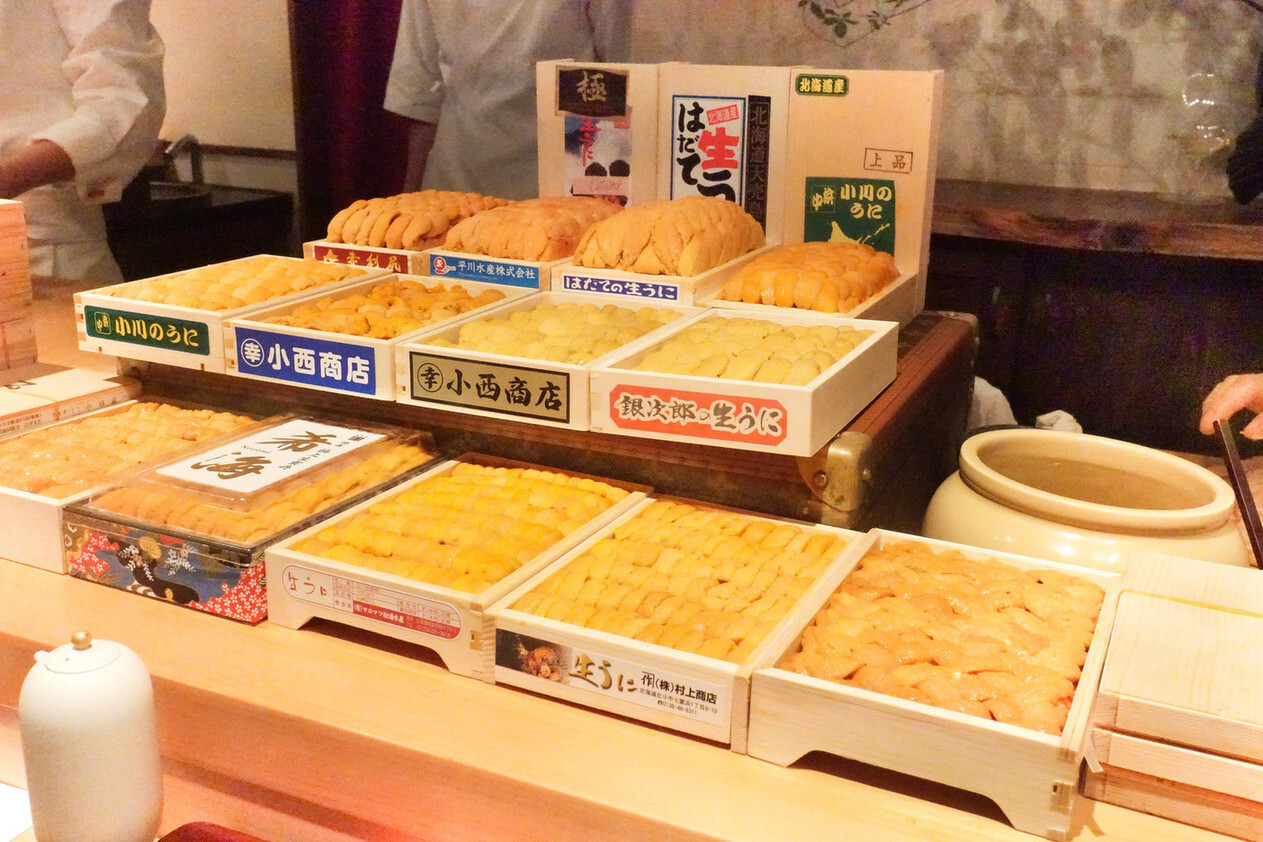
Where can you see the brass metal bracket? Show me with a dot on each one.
(840, 476)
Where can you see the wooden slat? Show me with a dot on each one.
(1201, 808)
(1185, 673)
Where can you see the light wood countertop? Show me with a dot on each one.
(318, 735)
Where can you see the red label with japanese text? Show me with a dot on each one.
(698, 414)
(353, 256)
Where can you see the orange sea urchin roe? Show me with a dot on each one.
(975, 636)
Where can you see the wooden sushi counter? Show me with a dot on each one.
(320, 735)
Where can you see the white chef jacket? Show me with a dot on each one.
(469, 67)
(87, 75)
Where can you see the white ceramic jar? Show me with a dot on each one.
(90, 744)
(1083, 499)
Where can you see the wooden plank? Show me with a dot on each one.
(1179, 765)
(1185, 673)
(326, 738)
(1193, 806)
(1201, 582)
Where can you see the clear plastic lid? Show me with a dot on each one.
(275, 475)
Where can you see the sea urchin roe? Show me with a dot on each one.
(974, 636)
(69, 458)
(465, 529)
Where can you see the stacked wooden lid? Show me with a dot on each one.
(1178, 724)
(17, 323)
(31, 393)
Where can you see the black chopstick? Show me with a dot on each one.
(1241, 485)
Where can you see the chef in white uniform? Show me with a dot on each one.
(81, 105)
(464, 73)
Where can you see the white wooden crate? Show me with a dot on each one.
(164, 333)
(666, 687)
(331, 362)
(1033, 777)
(39, 394)
(448, 378)
(30, 524)
(453, 624)
(863, 153)
(743, 414)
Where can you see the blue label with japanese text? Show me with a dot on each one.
(620, 286)
(307, 361)
(491, 271)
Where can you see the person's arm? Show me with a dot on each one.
(115, 71)
(42, 162)
(414, 88)
(1233, 394)
(420, 141)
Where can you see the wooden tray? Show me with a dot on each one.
(451, 623)
(1032, 776)
(705, 697)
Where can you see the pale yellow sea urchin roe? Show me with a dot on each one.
(567, 332)
(236, 283)
(388, 310)
(466, 529)
(752, 349)
(690, 577)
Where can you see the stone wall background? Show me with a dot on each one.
(1112, 94)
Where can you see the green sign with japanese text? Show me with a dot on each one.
(181, 335)
(858, 210)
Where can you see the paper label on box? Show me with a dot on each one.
(182, 335)
(573, 282)
(341, 593)
(495, 387)
(700, 414)
(598, 157)
(860, 210)
(720, 146)
(597, 132)
(624, 679)
(354, 256)
(592, 91)
(274, 455)
(485, 269)
(306, 360)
